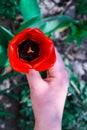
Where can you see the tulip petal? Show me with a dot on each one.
(48, 63)
(46, 57)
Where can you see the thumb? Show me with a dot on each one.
(57, 68)
(34, 79)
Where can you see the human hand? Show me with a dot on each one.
(48, 95)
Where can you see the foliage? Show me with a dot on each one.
(78, 32)
(26, 112)
(75, 114)
(8, 9)
(5, 37)
(30, 9)
(81, 7)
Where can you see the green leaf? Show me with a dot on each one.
(7, 63)
(78, 32)
(3, 55)
(69, 39)
(5, 35)
(30, 9)
(27, 24)
(8, 9)
(73, 29)
(81, 7)
(5, 113)
(43, 74)
(48, 25)
(12, 95)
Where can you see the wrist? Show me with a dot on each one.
(48, 122)
(44, 126)
(47, 118)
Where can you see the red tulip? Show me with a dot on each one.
(31, 49)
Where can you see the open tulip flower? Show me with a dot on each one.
(31, 49)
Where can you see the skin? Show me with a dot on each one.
(48, 95)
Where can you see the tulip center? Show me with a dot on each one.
(28, 50)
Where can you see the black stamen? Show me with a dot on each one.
(28, 50)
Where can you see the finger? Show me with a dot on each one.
(58, 66)
(34, 79)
